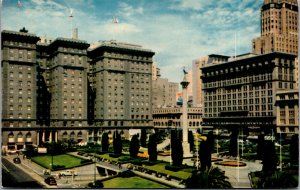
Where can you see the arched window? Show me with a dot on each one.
(11, 135)
(65, 134)
(20, 135)
(28, 135)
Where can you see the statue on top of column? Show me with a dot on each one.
(184, 71)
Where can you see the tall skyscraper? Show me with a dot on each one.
(279, 27)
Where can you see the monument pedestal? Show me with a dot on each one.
(186, 150)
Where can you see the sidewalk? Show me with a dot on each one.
(238, 177)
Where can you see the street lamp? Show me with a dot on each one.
(95, 170)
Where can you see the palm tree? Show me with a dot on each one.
(212, 178)
(279, 180)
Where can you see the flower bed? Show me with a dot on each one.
(231, 163)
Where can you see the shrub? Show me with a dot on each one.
(97, 184)
(173, 168)
(136, 162)
(85, 161)
(126, 174)
(58, 167)
(113, 155)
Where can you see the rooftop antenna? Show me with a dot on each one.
(115, 22)
(71, 19)
(235, 45)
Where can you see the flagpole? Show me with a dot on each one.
(71, 17)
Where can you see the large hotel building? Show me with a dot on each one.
(64, 90)
(241, 93)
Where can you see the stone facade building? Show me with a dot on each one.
(287, 111)
(172, 118)
(241, 93)
(164, 93)
(61, 90)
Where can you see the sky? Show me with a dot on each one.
(178, 31)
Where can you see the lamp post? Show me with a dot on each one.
(95, 169)
(280, 151)
(197, 149)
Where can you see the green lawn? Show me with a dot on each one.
(132, 183)
(183, 174)
(64, 159)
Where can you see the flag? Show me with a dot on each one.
(19, 4)
(115, 20)
(71, 13)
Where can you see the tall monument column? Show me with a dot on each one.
(185, 143)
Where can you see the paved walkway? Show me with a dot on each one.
(238, 177)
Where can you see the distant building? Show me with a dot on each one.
(287, 112)
(155, 72)
(164, 93)
(196, 75)
(172, 118)
(279, 27)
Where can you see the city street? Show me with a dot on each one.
(13, 177)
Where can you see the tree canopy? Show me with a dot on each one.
(134, 146)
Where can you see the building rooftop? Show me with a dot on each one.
(119, 45)
(248, 58)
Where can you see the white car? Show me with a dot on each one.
(68, 173)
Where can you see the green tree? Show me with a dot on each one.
(277, 179)
(191, 140)
(134, 146)
(205, 155)
(260, 146)
(143, 138)
(117, 143)
(269, 158)
(104, 142)
(210, 141)
(233, 143)
(294, 148)
(212, 178)
(176, 149)
(152, 147)
(55, 148)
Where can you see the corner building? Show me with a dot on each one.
(59, 90)
(241, 94)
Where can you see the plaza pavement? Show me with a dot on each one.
(237, 176)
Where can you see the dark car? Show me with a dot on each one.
(17, 160)
(50, 181)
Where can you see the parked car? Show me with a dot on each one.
(68, 173)
(17, 160)
(50, 180)
(47, 172)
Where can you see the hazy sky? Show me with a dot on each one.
(178, 31)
